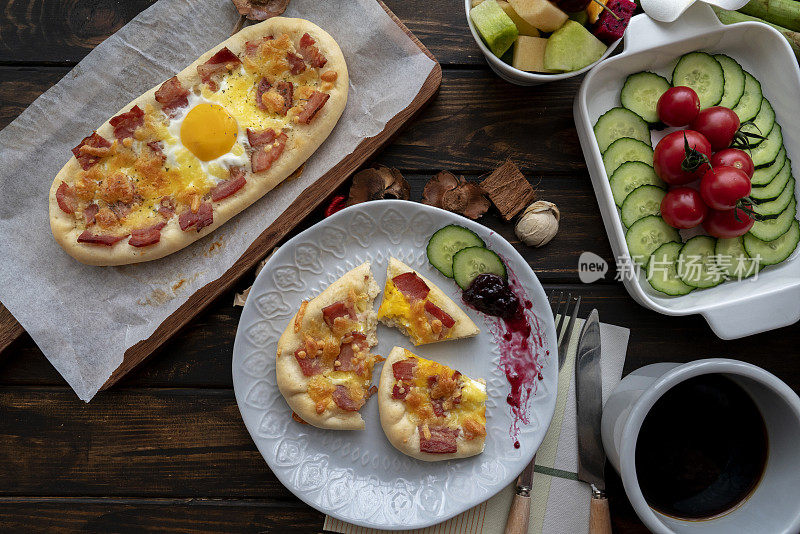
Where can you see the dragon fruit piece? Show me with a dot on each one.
(607, 28)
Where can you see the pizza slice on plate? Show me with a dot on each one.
(324, 364)
(420, 309)
(429, 411)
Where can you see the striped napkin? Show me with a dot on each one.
(559, 502)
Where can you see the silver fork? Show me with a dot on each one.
(563, 328)
(518, 515)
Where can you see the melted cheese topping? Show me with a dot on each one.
(411, 318)
(469, 413)
(213, 126)
(318, 334)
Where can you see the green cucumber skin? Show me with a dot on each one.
(772, 190)
(635, 83)
(775, 255)
(461, 260)
(673, 286)
(765, 175)
(713, 95)
(435, 245)
(699, 244)
(638, 128)
(771, 229)
(734, 85)
(767, 151)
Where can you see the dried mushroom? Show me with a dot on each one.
(378, 183)
(457, 195)
(260, 9)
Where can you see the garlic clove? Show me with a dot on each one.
(538, 224)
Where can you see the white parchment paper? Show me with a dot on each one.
(84, 318)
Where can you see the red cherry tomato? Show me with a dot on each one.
(723, 187)
(670, 154)
(718, 124)
(683, 207)
(727, 224)
(733, 157)
(678, 106)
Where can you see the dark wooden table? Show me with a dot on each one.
(166, 449)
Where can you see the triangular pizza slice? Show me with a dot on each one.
(324, 363)
(429, 411)
(419, 309)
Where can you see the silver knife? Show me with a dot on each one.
(589, 400)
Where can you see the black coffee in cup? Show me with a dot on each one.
(702, 448)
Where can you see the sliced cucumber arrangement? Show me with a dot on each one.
(762, 124)
(771, 229)
(750, 104)
(775, 187)
(765, 153)
(733, 260)
(444, 244)
(734, 80)
(625, 142)
(472, 261)
(775, 251)
(764, 175)
(772, 208)
(646, 235)
(643, 201)
(629, 176)
(704, 74)
(696, 264)
(626, 149)
(662, 270)
(641, 92)
(618, 123)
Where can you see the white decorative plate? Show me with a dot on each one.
(357, 476)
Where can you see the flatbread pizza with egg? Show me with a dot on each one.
(188, 155)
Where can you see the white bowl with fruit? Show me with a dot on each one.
(719, 235)
(528, 42)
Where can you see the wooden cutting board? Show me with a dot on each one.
(309, 200)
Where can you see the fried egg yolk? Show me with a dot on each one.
(208, 131)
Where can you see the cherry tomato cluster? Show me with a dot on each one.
(702, 151)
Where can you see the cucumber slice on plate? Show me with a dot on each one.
(750, 104)
(445, 242)
(771, 229)
(774, 188)
(761, 125)
(733, 260)
(773, 208)
(696, 265)
(662, 271)
(629, 176)
(641, 92)
(643, 201)
(617, 123)
(626, 149)
(704, 74)
(775, 251)
(765, 175)
(734, 80)
(766, 152)
(472, 261)
(646, 235)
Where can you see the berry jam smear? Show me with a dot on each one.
(518, 332)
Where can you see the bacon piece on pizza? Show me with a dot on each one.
(429, 411)
(419, 309)
(324, 362)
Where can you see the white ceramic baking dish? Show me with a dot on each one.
(733, 309)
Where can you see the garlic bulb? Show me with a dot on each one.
(538, 224)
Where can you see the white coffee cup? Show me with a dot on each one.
(774, 506)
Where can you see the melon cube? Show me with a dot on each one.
(572, 47)
(496, 28)
(523, 26)
(540, 14)
(529, 54)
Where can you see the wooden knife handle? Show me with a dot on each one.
(599, 516)
(517, 522)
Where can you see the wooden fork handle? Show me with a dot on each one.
(517, 522)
